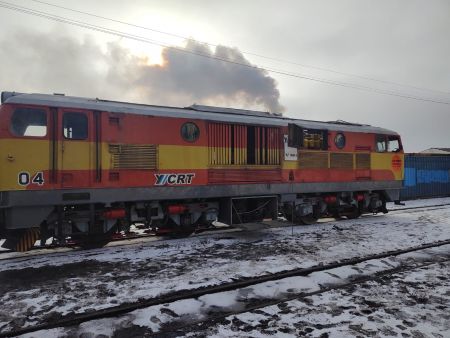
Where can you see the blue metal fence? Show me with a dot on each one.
(426, 176)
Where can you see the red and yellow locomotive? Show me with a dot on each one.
(82, 168)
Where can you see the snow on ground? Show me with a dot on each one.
(407, 304)
(186, 315)
(42, 288)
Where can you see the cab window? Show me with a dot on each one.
(29, 122)
(380, 144)
(75, 126)
(394, 145)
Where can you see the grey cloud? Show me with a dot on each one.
(203, 79)
(33, 62)
(59, 63)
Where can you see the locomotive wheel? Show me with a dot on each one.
(289, 214)
(308, 219)
(302, 220)
(354, 213)
(172, 230)
(181, 232)
(97, 240)
(94, 242)
(22, 240)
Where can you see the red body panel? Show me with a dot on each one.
(123, 128)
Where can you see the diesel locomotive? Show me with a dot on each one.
(82, 169)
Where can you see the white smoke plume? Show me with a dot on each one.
(36, 62)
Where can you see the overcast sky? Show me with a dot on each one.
(405, 42)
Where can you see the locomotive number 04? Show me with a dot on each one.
(24, 178)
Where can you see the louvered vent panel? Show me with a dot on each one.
(313, 160)
(133, 156)
(362, 161)
(341, 161)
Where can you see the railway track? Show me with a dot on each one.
(431, 207)
(130, 240)
(230, 286)
(196, 325)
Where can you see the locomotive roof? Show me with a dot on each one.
(194, 112)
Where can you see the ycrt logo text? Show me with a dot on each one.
(174, 179)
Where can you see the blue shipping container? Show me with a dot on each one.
(426, 176)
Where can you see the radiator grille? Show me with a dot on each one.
(313, 160)
(133, 156)
(341, 161)
(233, 144)
(362, 161)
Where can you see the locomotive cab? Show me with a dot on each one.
(25, 156)
(44, 149)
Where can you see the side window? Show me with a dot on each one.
(380, 145)
(339, 140)
(75, 126)
(190, 132)
(29, 122)
(315, 139)
(394, 144)
(299, 137)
